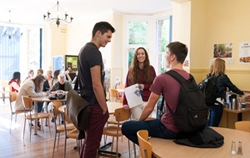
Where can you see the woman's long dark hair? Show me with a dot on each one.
(16, 76)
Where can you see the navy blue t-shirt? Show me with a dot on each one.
(89, 57)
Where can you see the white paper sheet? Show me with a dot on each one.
(133, 95)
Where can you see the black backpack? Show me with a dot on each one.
(191, 113)
(208, 88)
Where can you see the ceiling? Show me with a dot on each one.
(31, 11)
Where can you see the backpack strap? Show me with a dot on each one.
(178, 78)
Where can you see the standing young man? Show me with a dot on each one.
(164, 83)
(91, 79)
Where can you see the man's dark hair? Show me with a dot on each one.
(179, 49)
(103, 27)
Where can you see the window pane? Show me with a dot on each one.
(34, 49)
(163, 38)
(138, 33)
(9, 51)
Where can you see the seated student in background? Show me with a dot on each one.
(62, 85)
(55, 78)
(15, 82)
(30, 75)
(49, 81)
(140, 72)
(164, 83)
(32, 88)
(39, 104)
(222, 82)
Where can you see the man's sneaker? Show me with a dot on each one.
(31, 124)
(62, 122)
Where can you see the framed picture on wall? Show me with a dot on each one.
(71, 63)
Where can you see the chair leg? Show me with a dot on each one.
(58, 141)
(65, 146)
(10, 122)
(54, 145)
(117, 147)
(49, 129)
(134, 150)
(30, 131)
(129, 149)
(24, 127)
(112, 143)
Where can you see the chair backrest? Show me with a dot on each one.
(56, 105)
(145, 146)
(243, 125)
(122, 115)
(113, 93)
(66, 118)
(27, 102)
(13, 96)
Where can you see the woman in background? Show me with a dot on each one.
(140, 72)
(55, 78)
(30, 75)
(31, 88)
(15, 82)
(222, 82)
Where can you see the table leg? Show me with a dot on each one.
(239, 117)
(35, 126)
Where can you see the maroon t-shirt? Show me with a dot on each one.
(146, 91)
(167, 85)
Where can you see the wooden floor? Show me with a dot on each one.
(41, 145)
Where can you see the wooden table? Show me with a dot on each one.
(167, 148)
(230, 116)
(43, 99)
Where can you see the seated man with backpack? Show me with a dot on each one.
(170, 125)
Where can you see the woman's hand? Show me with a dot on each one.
(142, 86)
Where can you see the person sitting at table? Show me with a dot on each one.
(15, 82)
(140, 72)
(32, 88)
(164, 83)
(222, 82)
(55, 78)
(30, 75)
(61, 86)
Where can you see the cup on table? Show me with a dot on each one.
(243, 105)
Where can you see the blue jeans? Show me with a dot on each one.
(154, 127)
(215, 115)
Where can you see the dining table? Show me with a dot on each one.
(162, 148)
(43, 99)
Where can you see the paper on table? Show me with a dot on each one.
(133, 96)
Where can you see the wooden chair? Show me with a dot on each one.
(113, 95)
(115, 130)
(13, 97)
(28, 106)
(59, 128)
(243, 125)
(72, 134)
(145, 146)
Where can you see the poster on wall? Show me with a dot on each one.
(244, 53)
(71, 61)
(58, 63)
(223, 50)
